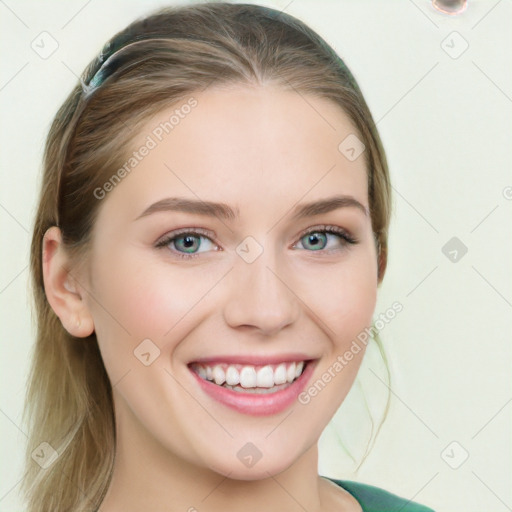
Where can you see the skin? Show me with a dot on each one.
(261, 150)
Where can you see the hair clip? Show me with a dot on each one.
(106, 67)
(98, 77)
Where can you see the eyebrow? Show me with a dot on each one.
(223, 211)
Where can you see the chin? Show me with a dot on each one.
(252, 463)
(259, 471)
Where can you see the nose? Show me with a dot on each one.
(260, 297)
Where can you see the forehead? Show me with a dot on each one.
(243, 144)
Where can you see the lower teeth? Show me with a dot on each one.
(273, 389)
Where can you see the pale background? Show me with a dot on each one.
(444, 112)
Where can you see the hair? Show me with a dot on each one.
(155, 62)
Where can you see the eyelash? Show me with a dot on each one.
(334, 230)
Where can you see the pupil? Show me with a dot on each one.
(316, 241)
(187, 242)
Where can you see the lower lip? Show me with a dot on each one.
(254, 404)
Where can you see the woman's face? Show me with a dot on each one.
(201, 269)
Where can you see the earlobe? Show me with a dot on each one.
(65, 295)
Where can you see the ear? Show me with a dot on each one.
(65, 295)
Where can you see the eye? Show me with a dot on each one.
(325, 238)
(187, 243)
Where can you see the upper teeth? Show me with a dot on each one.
(249, 376)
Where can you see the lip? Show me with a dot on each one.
(254, 360)
(256, 404)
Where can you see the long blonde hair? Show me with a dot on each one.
(153, 63)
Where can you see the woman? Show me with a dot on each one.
(211, 233)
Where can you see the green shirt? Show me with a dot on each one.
(374, 499)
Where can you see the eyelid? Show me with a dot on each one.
(188, 230)
(349, 238)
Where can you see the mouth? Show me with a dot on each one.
(261, 379)
(254, 389)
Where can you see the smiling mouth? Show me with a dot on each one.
(260, 379)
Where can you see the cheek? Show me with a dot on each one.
(342, 295)
(352, 304)
(136, 299)
(344, 302)
(135, 303)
